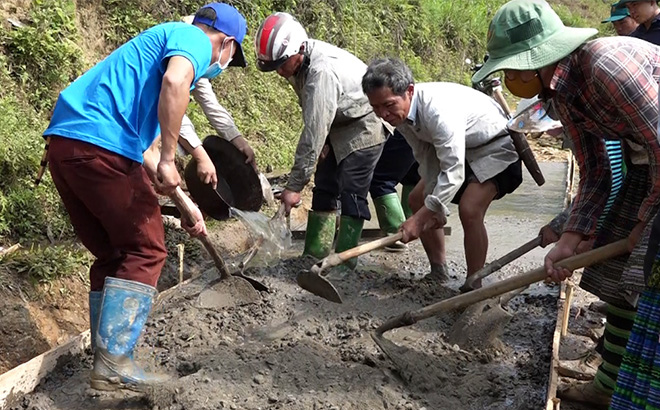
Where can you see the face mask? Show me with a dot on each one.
(522, 89)
(216, 68)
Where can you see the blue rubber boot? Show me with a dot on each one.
(94, 310)
(124, 311)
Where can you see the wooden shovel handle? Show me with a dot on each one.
(499, 97)
(183, 204)
(339, 258)
(503, 261)
(507, 285)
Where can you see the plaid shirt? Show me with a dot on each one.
(608, 88)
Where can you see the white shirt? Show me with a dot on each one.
(218, 116)
(449, 124)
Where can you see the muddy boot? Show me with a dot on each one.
(583, 368)
(405, 193)
(390, 217)
(124, 310)
(586, 393)
(320, 233)
(94, 310)
(439, 273)
(350, 231)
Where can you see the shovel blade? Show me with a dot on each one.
(257, 285)
(230, 292)
(480, 325)
(318, 285)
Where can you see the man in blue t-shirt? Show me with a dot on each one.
(102, 157)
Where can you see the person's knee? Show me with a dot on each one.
(471, 213)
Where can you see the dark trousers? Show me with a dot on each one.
(113, 209)
(349, 181)
(395, 165)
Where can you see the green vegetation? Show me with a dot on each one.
(45, 55)
(43, 264)
(40, 58)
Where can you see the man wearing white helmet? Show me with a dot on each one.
(336, 114)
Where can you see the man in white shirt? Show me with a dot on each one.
(221, 121)
(458, 136)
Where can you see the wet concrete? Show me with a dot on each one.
(292, 350)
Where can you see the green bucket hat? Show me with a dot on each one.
(622, 3)
(528, 35)
(617, 13)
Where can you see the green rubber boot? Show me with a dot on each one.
(390, 217)
(405, 193)
(389, 212)
(350, 231)
(320, 233)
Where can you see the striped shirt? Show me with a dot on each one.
(608, 89)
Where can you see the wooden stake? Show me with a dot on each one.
(180, 248)
(567, 308)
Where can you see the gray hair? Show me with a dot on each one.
(387, 72)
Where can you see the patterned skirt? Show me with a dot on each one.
(638, 383)
(604, 279)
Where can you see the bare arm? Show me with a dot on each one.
(172, 103)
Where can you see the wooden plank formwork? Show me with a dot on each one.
(553, 402)
(23, 379)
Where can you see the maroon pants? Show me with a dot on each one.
(113, 209)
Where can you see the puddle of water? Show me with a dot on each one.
(272, 235)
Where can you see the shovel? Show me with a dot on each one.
(507, 285)
(481, 324)
(555, 224)
(314, 280)
(500, 263)
(182, 205)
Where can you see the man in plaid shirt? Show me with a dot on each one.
(601, 89)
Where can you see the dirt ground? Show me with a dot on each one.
(293, 350)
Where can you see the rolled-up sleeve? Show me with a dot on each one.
(188, 133)
(218, 116)
(319, 100)
(631, 88)
(448, 134)
(595, 180)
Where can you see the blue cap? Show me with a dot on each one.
(231, 22)
(618, 12)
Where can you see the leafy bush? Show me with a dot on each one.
(126, 19)
(44, 54)
(45, 264)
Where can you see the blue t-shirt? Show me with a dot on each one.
(114, 105)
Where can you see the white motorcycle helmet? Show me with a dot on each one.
(278, 38)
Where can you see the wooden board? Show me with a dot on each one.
(26, 377)
(553, 402)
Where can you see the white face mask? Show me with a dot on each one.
(216, 68)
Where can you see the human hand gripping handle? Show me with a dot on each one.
(420, 221)
(167, 177)
(206, 171)
(290, 199)
(565, 247)
(191, 217)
